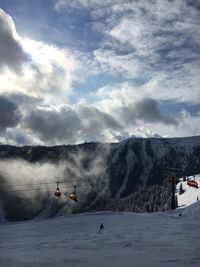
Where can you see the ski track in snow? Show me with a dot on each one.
(157, 239)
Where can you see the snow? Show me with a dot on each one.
(130, 239)
(193, 211)
(190, 195)
(162, 239)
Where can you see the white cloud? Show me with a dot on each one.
(110, 62)
(145, 133)
(45, 71)
(55, 68)
(177, 84)
(64, 4)
(154, 41)
(21, 172)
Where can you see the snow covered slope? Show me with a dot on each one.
(193, 211)
(190, 194)
(162, 239)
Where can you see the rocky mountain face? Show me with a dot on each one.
(129, 175)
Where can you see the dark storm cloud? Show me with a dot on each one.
(97, 120)
(9, 114)
(11, 51)
(54, 125)
(147, 110)
(69, 125)
(20, 99)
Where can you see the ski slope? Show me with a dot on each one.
(163, 239)
(190, 195)
(129, 239)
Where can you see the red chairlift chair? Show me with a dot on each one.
(73, 195)
(193, 183)
(57, 192)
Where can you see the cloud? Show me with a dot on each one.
(53, 68)
(180, 81)
(72, 125)
(147, 40)
(65, 4)
(148, 110)
(54, 124)
(109, 61)
(60, 124)
(95, 120)
(144, 53)
(49, 74)
(163, 37)
(34, 184)
(26, 179)
(23, 99)
(129, 106)
(189, 123)
(146, 133)
(67, 124)
(133, 107)
(128, 103)
(45, 70)
(18, 137)
(9, 114)
(11, 51)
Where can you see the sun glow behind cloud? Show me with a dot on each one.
(53, 68)
(46, 72)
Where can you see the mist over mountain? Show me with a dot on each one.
(129, 175)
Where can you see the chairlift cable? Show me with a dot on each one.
(53, 183)
(25, 190)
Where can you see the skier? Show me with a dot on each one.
(101, 228)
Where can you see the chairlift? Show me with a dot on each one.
(193, 183)
(57, 192)
(73, 195)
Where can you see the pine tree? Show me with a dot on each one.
(176, 201)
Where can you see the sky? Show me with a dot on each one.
(89, 70)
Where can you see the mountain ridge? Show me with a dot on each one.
(104, 173)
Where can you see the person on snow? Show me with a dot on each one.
(101, 228)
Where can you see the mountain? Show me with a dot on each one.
(143, 162)
(129, 175)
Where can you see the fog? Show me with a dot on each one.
(32, 185)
